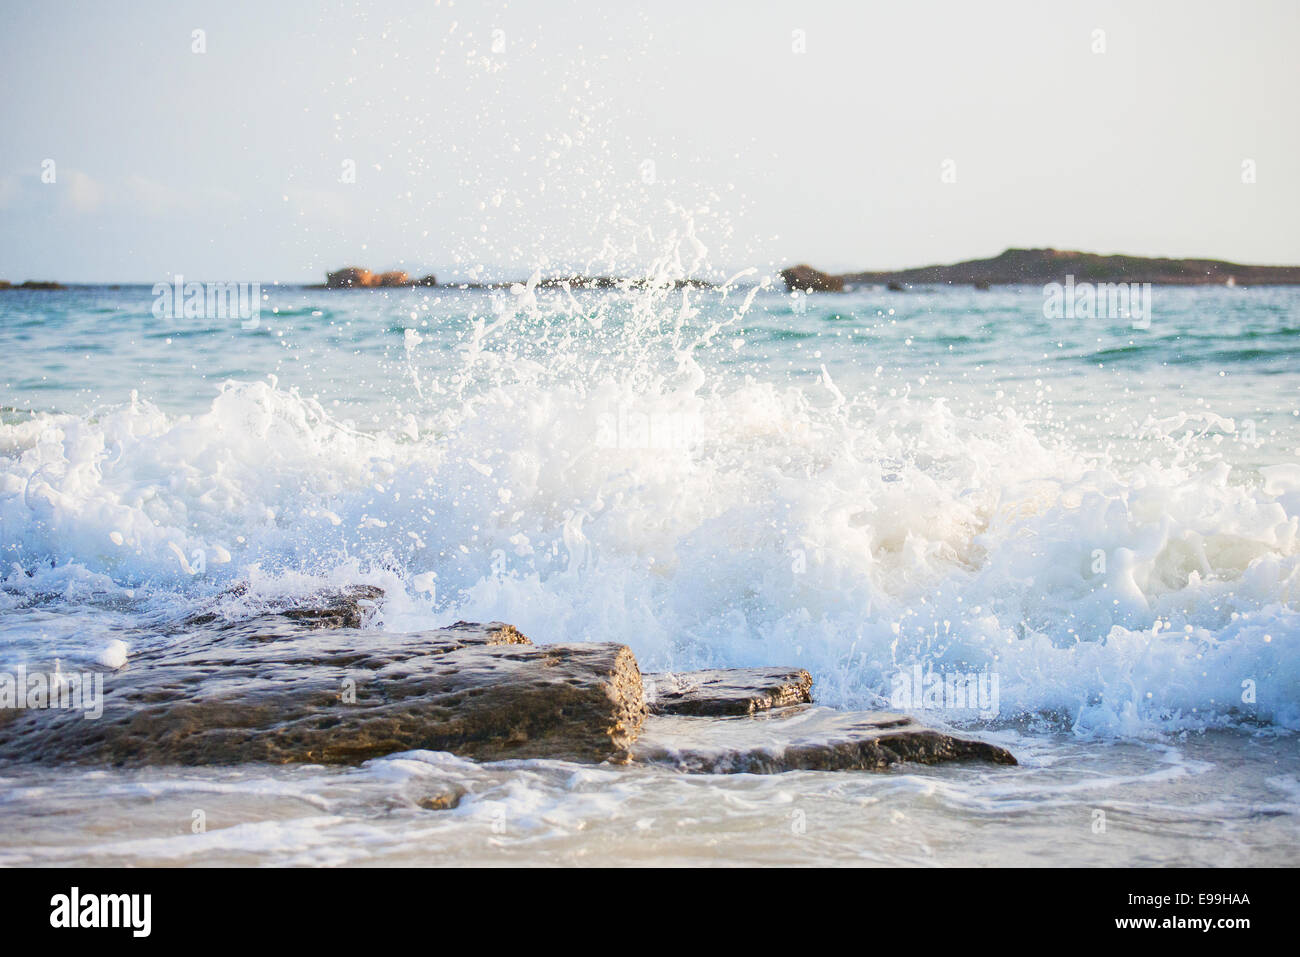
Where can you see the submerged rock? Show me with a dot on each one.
(807, 739)
(272, 690)
(726, 691)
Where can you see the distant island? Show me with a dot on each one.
(1036, 266)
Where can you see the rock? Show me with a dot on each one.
(6, 284)
(304, 680)
(350, 607)
(807, 739)
(41, 284)
(355, 277)
(273, 690)
(349, 277)
(805, 278)
(727, 691)
(443, 800)
(615, 282)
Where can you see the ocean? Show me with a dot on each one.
(1097, 515)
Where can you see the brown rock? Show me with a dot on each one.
(443, 800)
(273, 690)
(726, 691)
(805, 278)
(394, 278)
(809, 739)
(350, 607)
(349, 277)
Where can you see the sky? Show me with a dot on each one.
(486, 140)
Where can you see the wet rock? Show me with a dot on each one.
(809, 739)
(274, 690)
(726, 691)
(442, 800)
(350, 607)
(804, 277)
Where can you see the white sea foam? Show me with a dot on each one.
(603, 481)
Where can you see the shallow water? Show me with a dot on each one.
(1103, 517)
(1219, 799)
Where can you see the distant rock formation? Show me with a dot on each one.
(356, 277)
(1039, 266)
(32, 284)
(807, 279)
(349, 277)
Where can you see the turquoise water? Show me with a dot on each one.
(1105, 517)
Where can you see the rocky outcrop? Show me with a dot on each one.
(350, 607)
(726, 691)
(349, 277)
(357, 277)
(306, 679)
(616, 282)
(34, 284)
(804, 278)
(273, 690)
(354, 277)
(804, 739)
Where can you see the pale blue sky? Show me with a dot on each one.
(227, 164)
